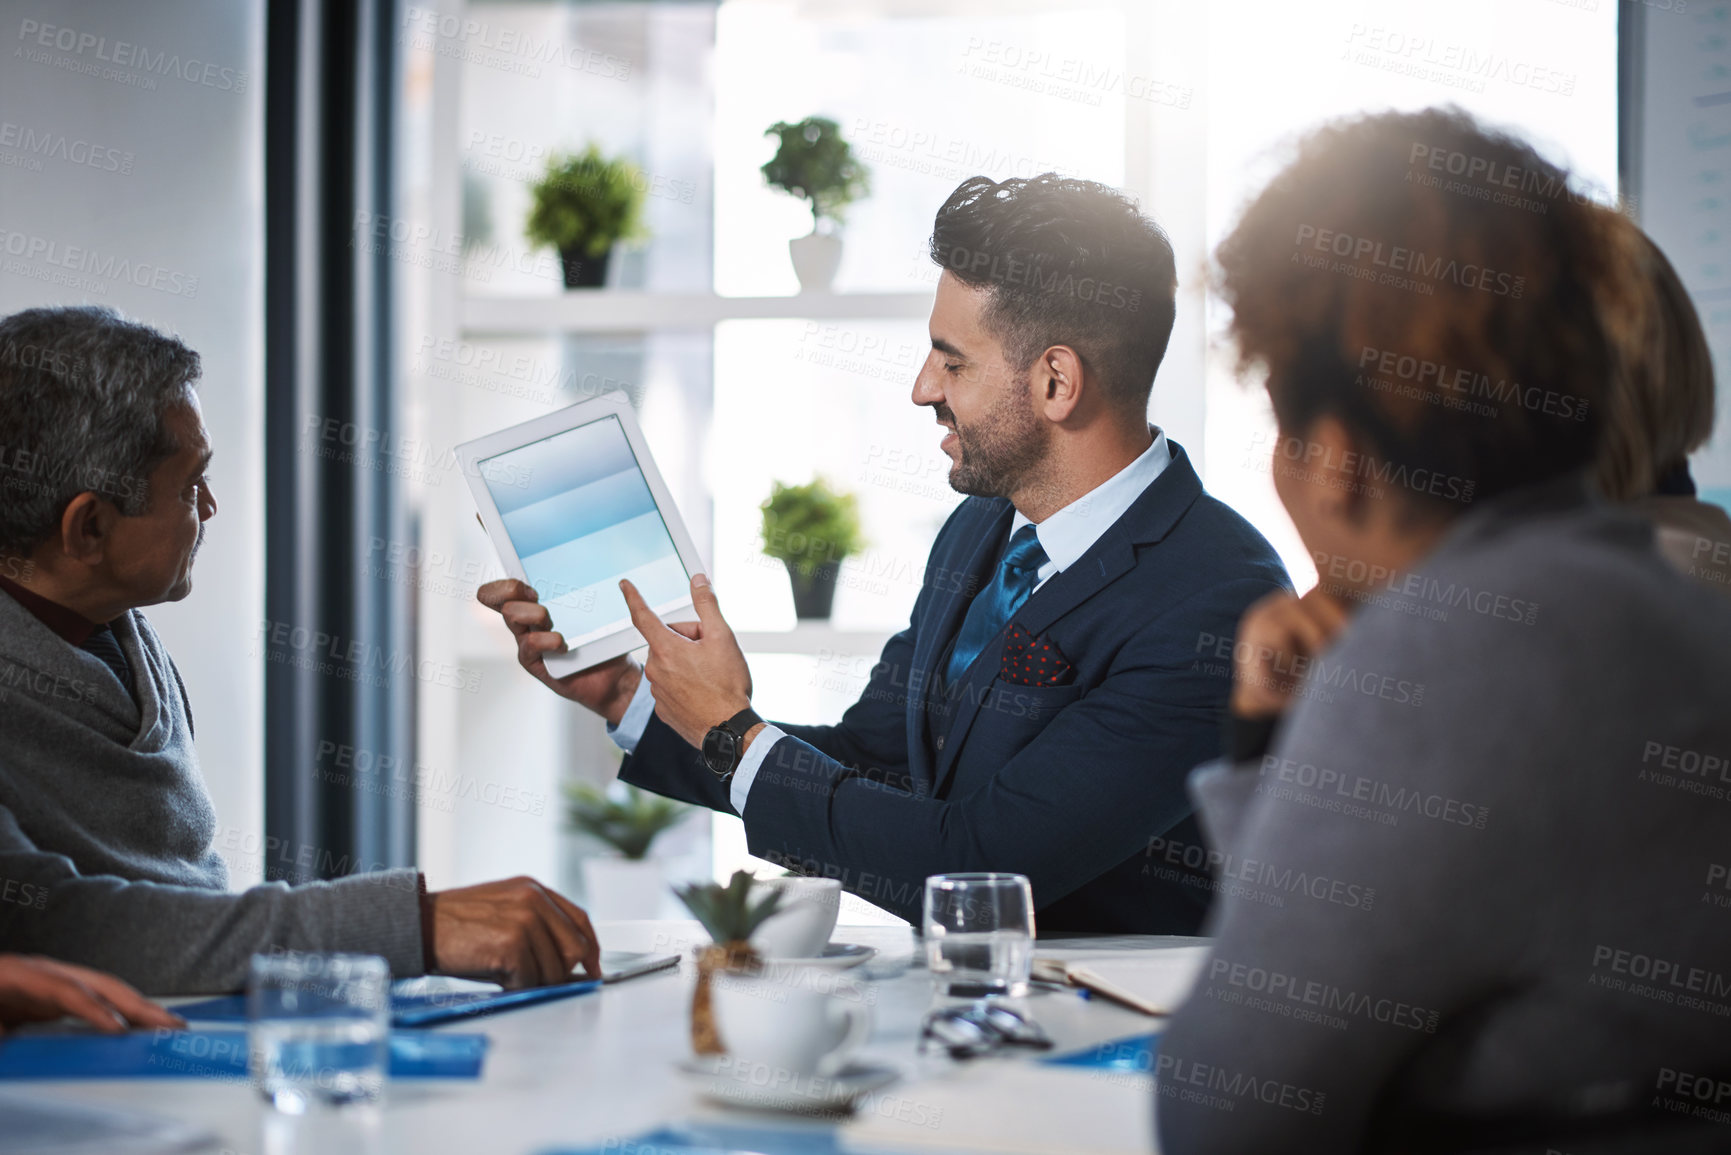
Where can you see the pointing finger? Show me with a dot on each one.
(644, 618)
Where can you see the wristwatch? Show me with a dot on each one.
(724, 745)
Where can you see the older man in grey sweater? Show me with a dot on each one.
(105, 826)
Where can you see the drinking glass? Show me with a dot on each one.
(318, 1028)
(979, 932)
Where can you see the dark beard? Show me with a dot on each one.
(997, 451)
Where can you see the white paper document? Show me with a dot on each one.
(1012, 1108)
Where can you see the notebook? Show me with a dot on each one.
(1154, 982)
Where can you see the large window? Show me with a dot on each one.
(1547, 70)
(742, 380)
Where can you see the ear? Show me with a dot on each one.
(1340, 456)
(1058, 382)
(85, 528)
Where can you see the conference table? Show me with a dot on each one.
(601, 1070)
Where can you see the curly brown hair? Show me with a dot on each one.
(1437, 287)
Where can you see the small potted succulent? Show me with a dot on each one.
(730, 915)
(629, 884)
(814, 163)
(810, 529)
(584, 204)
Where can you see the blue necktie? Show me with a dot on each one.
(993, 606)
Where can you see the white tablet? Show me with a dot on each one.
(573, 503)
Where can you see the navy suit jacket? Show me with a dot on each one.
(1081, 787)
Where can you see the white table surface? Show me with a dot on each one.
(600, 1069)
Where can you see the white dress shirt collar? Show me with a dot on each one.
(1069, 533)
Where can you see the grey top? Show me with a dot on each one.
(1483, 870)
(1694, 536)
(107, 854)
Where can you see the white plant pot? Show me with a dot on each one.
(816, 257)
(623, 887)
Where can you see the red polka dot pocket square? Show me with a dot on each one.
(1031, 661)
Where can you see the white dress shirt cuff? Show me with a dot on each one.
(629, 732)
(743, 776)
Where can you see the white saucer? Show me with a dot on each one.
(837, 956)
(758, 1087)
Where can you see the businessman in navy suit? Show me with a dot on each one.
(1059, 676)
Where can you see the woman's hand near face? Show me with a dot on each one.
(1278, 639)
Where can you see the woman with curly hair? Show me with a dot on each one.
(1472, 825)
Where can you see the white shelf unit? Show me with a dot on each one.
(629, 311)
(813, 639)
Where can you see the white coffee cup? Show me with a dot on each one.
(789, 1021)
(801, 928)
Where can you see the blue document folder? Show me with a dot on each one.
(721, 1139)
(419, 1010)
(210, 1054)
(1133, 1055)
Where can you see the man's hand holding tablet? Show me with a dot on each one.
(698, 671)
(574, 503)
(597, 555)
(605, 689)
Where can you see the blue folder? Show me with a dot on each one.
(410, 1010)
(1133, 1055)
(721, 1139)
(210, 1054)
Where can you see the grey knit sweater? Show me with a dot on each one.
(107, 832)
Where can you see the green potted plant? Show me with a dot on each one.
(730, 915)
(584, 204)
(810, 529)
(629, 884)
(814, 163)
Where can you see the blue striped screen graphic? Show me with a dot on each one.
(579, 512)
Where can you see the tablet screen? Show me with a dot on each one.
(580, 514)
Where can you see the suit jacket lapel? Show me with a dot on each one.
(1148, 519)
(950, 603)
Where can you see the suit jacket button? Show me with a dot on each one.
(940, 743)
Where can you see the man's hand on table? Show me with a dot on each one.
(605, 689)
(697, 670)
(35, 989)
(515, 932)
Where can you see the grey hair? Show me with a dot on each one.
(84, 394)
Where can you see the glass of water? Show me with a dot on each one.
(979, 931)
(318, 1028)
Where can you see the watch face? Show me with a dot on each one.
(720, 750)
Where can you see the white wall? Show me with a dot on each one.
(171, 96)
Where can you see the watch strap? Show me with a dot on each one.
(742, 722)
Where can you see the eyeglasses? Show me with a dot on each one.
(980, 1029)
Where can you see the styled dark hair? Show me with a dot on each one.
(1067, 262)
(1437, 288)
(83, 397)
